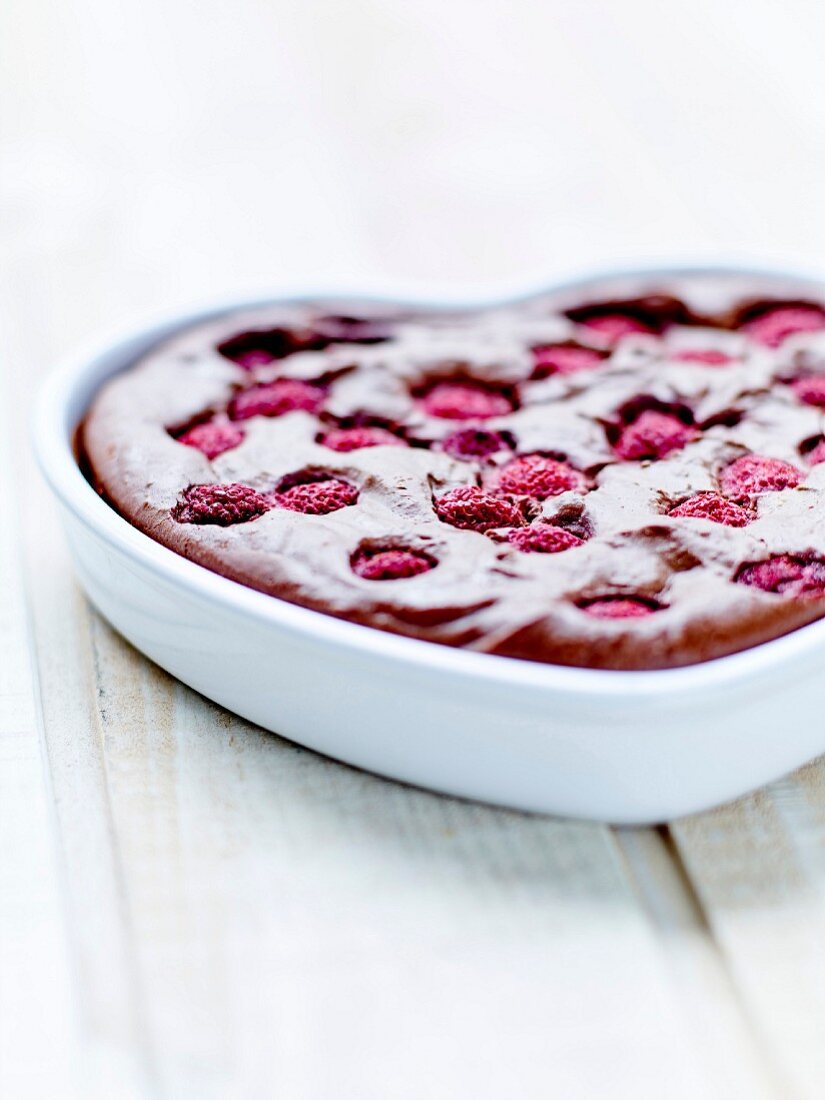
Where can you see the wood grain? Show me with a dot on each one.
(36, 974)
(189, 907)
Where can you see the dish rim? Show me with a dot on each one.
(67, 389)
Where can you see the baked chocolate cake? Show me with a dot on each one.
(628, 474)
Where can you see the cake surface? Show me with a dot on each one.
(628, 474)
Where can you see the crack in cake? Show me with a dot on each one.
(629, 474)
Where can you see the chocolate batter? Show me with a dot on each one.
(625, 475)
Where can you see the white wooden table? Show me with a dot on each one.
(189, 907)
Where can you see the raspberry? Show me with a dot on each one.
(798, 575)
(465, 401)
(653, 434)
(619, 607)
(543, 538)
(391, 565)
(811, 390)
(713, 507)
(284, 395)
(537, 476)
(354, 439)
(816, 453)
(474, 443)
(754, 474)
(563, 359)
(255, 357)
(774, 326)
(612, 327)
(708, 357)
(471, 509)
(257, 349)
(223, 505)
(317, 498)
(213, 438)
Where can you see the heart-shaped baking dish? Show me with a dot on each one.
(620, 746)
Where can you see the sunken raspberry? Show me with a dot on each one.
(317, 498)
(619, 607)
(255, 357)
(811, 390)
(354, 439)
(256, 349)
(564, 359)
(213, 438)
(465, 401)
(284, 395)
(612, 327)
(753, 474)
(653, 434)
(816, 453)
(713, 507)
(222, 505)
(471, 509)
(537, 476)
(774, 326)
(469, 443)
(543, 538)
(798, 575)
(391, 565)
(707, 357)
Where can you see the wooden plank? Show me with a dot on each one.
(759, 870)
(109, 999)
(366, 933)
(37, 1020)
(714, 1012)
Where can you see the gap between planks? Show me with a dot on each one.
(714, 1009)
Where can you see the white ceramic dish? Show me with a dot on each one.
(615, 746)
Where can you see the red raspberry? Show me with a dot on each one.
(543, 538)
(811, 390)
(213, 438)
(564, 359)
(708, 357)
(537, 476)
(354, 439)
(774, 326)
(713, 507)
(469, 443)
(816, 454)
(797, 575)
(220, 504)
(255, 357)
(317, 498)
(465, 401)
(284, 395)
(612, 327)
(471, 509)
(619, 607)
(753, 474)
(257, 349)
(653, 434)
(391, 565)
